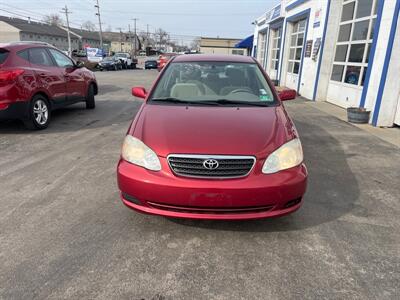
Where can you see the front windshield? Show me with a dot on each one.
(108, 59)
(214, 81)
(121, 55)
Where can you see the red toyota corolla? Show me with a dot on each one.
(212, 141)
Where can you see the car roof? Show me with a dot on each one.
(16, 46)
(213, 57)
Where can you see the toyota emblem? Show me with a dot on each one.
(210, 164)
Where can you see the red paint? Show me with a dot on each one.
(218, 130)
(20, 79)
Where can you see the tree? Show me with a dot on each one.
(108, 28)
(53, 19)
(195, 45)
(88, 25)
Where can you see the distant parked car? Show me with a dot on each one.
(110, 63)
(36, 78)
(126, 59)
(163, 60)
(150, 63)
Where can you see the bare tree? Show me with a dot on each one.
(195, 45)
(53, 19)
(88, 25)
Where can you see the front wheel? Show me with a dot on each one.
(90, 102)
(39, 113)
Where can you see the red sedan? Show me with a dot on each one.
(212, 141)
(36, 78)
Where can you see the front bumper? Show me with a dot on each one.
(255, 196)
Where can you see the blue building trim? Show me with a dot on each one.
(372, 53)
(386, 64)
(295, 4)
(328, 7)
(305, 14)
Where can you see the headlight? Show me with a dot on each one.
(136, 152)
(287, 156)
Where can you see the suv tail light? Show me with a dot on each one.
(9, 76)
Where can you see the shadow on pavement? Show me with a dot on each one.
(332, 189)
(76, 117)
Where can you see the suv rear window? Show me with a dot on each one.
(3, 55)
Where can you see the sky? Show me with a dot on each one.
(183, 19)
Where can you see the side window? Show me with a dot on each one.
(39, 56)
(61, 60)
(23, 54)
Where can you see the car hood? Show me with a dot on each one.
(173, 129)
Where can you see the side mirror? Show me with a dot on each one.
(139, 92)
(287, 94)
(79, 64)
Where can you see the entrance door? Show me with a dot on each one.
(295, 53)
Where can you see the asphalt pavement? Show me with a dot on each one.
(64, 234)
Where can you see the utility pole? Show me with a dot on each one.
(67, 12)
(130, 36)
(100, 31)
(147, 36)
(135, 19)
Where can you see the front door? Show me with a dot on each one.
(75, 81)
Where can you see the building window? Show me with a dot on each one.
(261, 47)
(296, 46)
(356, 32)
(237, 51)
(276, 48)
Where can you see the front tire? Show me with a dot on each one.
(90, 102)
(39, 113)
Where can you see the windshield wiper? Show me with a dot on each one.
(227, 101)
(176, 100)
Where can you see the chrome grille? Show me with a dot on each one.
(227, 167)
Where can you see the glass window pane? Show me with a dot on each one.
(277, 54)
(356, 52)
(300, 39)
(371, 36)
(352, 75)
(274, 43)
(293, 40)
(295, 27)
(368, 52)
(341, 53)
(348, 12)
(276, 65)
(291, 54)
(364, 8)
(344, 33)
(296, 67)
(290, 67)
(302, 25)
(360, 30)
(298, 53)
(363, 77)
(337, 73)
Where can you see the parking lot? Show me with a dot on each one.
(64, 234)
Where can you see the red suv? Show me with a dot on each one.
(212, 141)
(163, 60)
(36, 78)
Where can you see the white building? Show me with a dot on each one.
(345, 52)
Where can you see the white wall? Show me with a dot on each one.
(8, 33)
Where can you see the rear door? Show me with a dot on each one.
(48, 75)
(74, 78)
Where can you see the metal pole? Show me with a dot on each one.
(134, 37)
(65, 10)
(100, 30)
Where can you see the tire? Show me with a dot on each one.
(90, 102)
(39, 113)
(133, 66)
(115, 68)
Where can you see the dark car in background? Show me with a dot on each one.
(36, 78)
(150, 63)
(110, 63)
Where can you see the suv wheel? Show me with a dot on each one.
(39, 113)
(90, 103)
